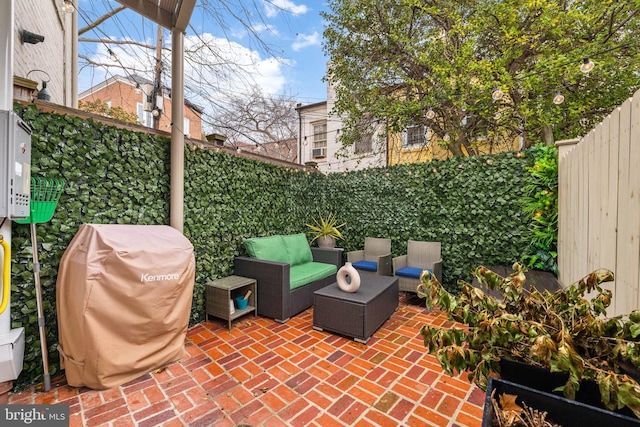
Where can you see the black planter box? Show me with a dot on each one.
(567, 413)
(544, 380)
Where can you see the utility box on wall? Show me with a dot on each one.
(15, 166)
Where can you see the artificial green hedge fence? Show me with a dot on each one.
(471, 205)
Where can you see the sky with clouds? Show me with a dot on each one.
(230, 46)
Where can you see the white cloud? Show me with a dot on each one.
(272, 7)
(232, 67)
(306, 40)
(214, 67)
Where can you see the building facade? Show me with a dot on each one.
(43, 40)
(319, 140)
(134, 95)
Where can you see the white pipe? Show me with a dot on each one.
(177, 131)
(6, 103)
(74, 55)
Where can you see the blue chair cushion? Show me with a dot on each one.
(366, 265)
(413, 272)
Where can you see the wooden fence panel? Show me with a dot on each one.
(599, 205)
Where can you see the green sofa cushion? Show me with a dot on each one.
(298, 250)
(306, 273)
(267, 248)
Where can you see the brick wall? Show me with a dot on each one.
(46, 18)
(127, 96)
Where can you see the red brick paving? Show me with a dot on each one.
(262, 373)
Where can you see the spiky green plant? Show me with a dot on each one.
(326, 227)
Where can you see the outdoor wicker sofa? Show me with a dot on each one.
(287, 272)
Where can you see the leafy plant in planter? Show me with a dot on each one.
(561, 332)
(326, 230)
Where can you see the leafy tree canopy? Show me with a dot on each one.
(393, 60)
(100, 107)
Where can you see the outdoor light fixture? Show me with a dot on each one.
(155, 112)
(497, 94)
(430, 114)
(67, 6)
(112, 55)
(497, 115)
(43, 93)
(446, 137)
(558, 98)
(29, 37)
(587, 65)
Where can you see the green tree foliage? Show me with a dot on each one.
(100, 107)
(393, 60)
(541, 202)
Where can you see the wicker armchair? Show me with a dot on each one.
(420, 256)
(375, 257)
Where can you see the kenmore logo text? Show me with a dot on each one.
(146, 277)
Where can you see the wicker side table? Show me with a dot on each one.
(220, 292)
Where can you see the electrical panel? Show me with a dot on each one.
(15, 166)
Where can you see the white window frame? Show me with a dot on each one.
(144, 117)
(415, 135)
(186, 127)
(319, 132)
(365, 144)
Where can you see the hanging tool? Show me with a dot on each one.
(44, 198)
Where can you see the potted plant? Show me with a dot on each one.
(326, 230)
(561, 332)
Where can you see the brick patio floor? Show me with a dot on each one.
(263, 373)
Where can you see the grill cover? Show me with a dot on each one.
(123, 300)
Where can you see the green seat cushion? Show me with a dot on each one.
(298, 250)
(270, 248)
(311, 271)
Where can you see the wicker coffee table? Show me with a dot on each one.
(356, 314)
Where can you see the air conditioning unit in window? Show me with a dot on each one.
(319, 153)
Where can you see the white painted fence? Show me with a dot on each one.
(599, 205)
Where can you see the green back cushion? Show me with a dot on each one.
(298, 250)
(267, 248)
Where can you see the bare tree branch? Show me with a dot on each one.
(109, 41)
(100, 20)
(103, 65)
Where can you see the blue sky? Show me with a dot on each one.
(283, 57)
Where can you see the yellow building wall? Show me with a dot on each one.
(434, 151)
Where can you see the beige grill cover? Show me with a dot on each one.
(123, 299)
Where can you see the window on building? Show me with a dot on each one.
(186, 129)
(415, 135)
(364, 144)
(144, 117)
(319, 140)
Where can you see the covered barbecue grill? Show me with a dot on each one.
(123, 297)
